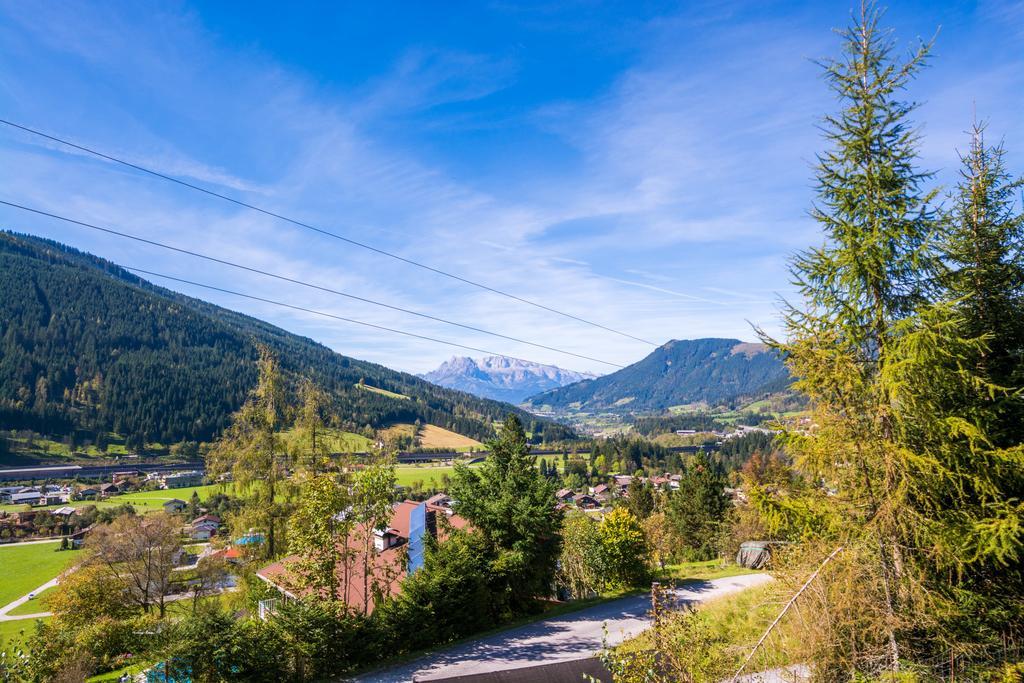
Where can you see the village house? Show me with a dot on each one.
(440, 500)
(107, 490)
(387, 556)
(174, 505)
(564, 495)
(202, 528)
(88, 493)
(177, 480)
(585, 501)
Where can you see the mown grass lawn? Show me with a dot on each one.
(40, 603)
(430, 475)
(14, 633)
(28, 566)
(702, 571)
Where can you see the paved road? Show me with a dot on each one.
(572, 636)
(4, 616)
(14, 544)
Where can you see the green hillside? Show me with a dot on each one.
(88, 348)
(707, 371)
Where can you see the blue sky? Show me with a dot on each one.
(645, 165)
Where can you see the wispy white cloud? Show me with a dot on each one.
(663, 202)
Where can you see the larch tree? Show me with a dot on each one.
(903, 476)
(318, 535)
(252, 451)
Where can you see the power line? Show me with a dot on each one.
(322, 231)
(322, 313)
(303, 283)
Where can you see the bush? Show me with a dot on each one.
(447, 599)
(624, 548)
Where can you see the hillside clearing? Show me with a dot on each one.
(383, 392)
(432, 436)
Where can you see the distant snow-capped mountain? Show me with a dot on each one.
(500, 378)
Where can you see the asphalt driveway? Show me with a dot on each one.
(571, 636)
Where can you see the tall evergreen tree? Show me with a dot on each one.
(907, 482)
(513, 506)
(252, 452)
(983, 253)
(697, 511)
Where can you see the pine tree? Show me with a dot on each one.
(697, 511)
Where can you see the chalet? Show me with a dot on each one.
(174, 505)
(387, 559)
(621, 482)
(564, 495)
(202, 528)
(585, 501)
(206, 519)
(600, 490)
(88, 493)
(107, 490)
(659, 482)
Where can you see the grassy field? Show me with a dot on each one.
(143, 501)
(711, 569)
(383, 392)
(40, 449)
(432, 436)
(13, 633)
(338, 441)
(430, 475)
(38, 604)
(28, 566)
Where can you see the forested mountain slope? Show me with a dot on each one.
(88, 346)
(712, 371)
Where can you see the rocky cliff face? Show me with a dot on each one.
(500, 378)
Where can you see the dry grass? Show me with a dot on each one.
(432, 436)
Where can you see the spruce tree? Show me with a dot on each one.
(904, 477)
(982, 247)
(513, 507)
